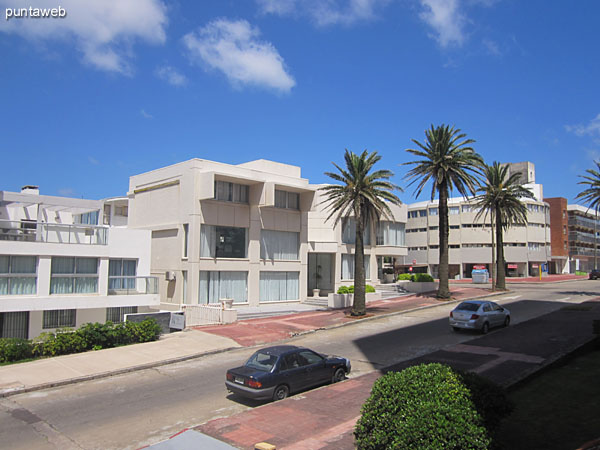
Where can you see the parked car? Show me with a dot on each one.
(275, 372)
(478, 315)
(594, 274)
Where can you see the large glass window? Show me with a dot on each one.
(282, 245)
(277, 286)
(59, 318)
(215, 286)
(121, 274)
(223, 242)
(391, 233)
(231, 192)
(287, 200)
(14, 324)
(349, 232)
(18, 275)
(90, 218)
(117, 314)
(74, 275)
(348, 267)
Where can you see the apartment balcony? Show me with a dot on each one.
(129, 285)
(29, 231)
(582, 251)
(583, 222)
(582, 237)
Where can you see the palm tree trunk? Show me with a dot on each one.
(500, 264)
(358, 305)
(443, 289)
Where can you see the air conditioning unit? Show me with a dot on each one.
(169, 275)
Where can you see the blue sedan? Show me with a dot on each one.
(275, 372)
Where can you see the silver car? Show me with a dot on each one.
(478, 315)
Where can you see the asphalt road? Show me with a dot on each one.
(145, 407)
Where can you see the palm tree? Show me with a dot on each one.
(363, 195)
(500, 196)
(591, 196)
(450, 163)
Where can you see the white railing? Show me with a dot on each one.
(211, 314)
(53, 232)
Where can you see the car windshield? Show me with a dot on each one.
(466, 306)
(262, 361)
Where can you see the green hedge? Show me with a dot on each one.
(423, 407)
(418, 277)
(91, 336)
(350, 289)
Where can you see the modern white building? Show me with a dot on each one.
(254, 232)
(60, 268)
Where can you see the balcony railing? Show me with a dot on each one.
(582, 237)
(126, 285)
(583, 222)
(53, 232)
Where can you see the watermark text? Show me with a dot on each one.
(35, 13)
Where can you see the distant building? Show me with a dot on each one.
(60, 267)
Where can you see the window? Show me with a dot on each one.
(422, 213)
(186, 230)
(122, 211)
(453, 210)
(454, 246)
(90, 218)
(433, 211)
(413, 214)
(535, 246)
(564, 229)
(278, 286)
(416, 248)
(231, 192)
(121, 274)
(279, 245)
(74, 275)
(434, 228)
(184, 288)
(215, 286)
(453, 227)
(349, 232)
(117, 315)
(434, 247)
(14, 325)
(467, 208)
(223, 242)
(391, 233)
(18, 275)
(59, 318)
(287, 200)
(348, 267)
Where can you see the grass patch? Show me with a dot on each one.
(557, 410)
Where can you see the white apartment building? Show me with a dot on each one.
(60, 268)
(254, 232)
(526, 247)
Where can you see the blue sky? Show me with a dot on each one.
(120, 87)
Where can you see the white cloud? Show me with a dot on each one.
(93, 160)
(324, 12)
(146, 115)
(591, 129)
(233, 48)
(446, 20)
(171, 76)
(492, 47)
(102, 30)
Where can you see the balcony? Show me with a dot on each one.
(29, 231)
(582, 237)
(130, 285)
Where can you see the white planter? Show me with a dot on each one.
(346, 300)
(388, 277)
(316, 292)
(420, 287)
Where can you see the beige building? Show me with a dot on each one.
(255, 232)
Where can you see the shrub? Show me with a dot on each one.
(350, 289)
(425, 407)
(423, 278)
(15, 349)
(406, 277)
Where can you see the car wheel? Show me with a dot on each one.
(507, 321)
(281, 392)
(485, 328)
(338, 375)
(455, 329)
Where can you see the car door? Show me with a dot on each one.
(498, 312)
(316, 370)
(293, 372)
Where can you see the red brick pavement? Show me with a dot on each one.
(272, 329)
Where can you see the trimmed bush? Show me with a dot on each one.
(350, 289)
(423, 407)
(406, 277)
(422, 278)
(14, 349)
